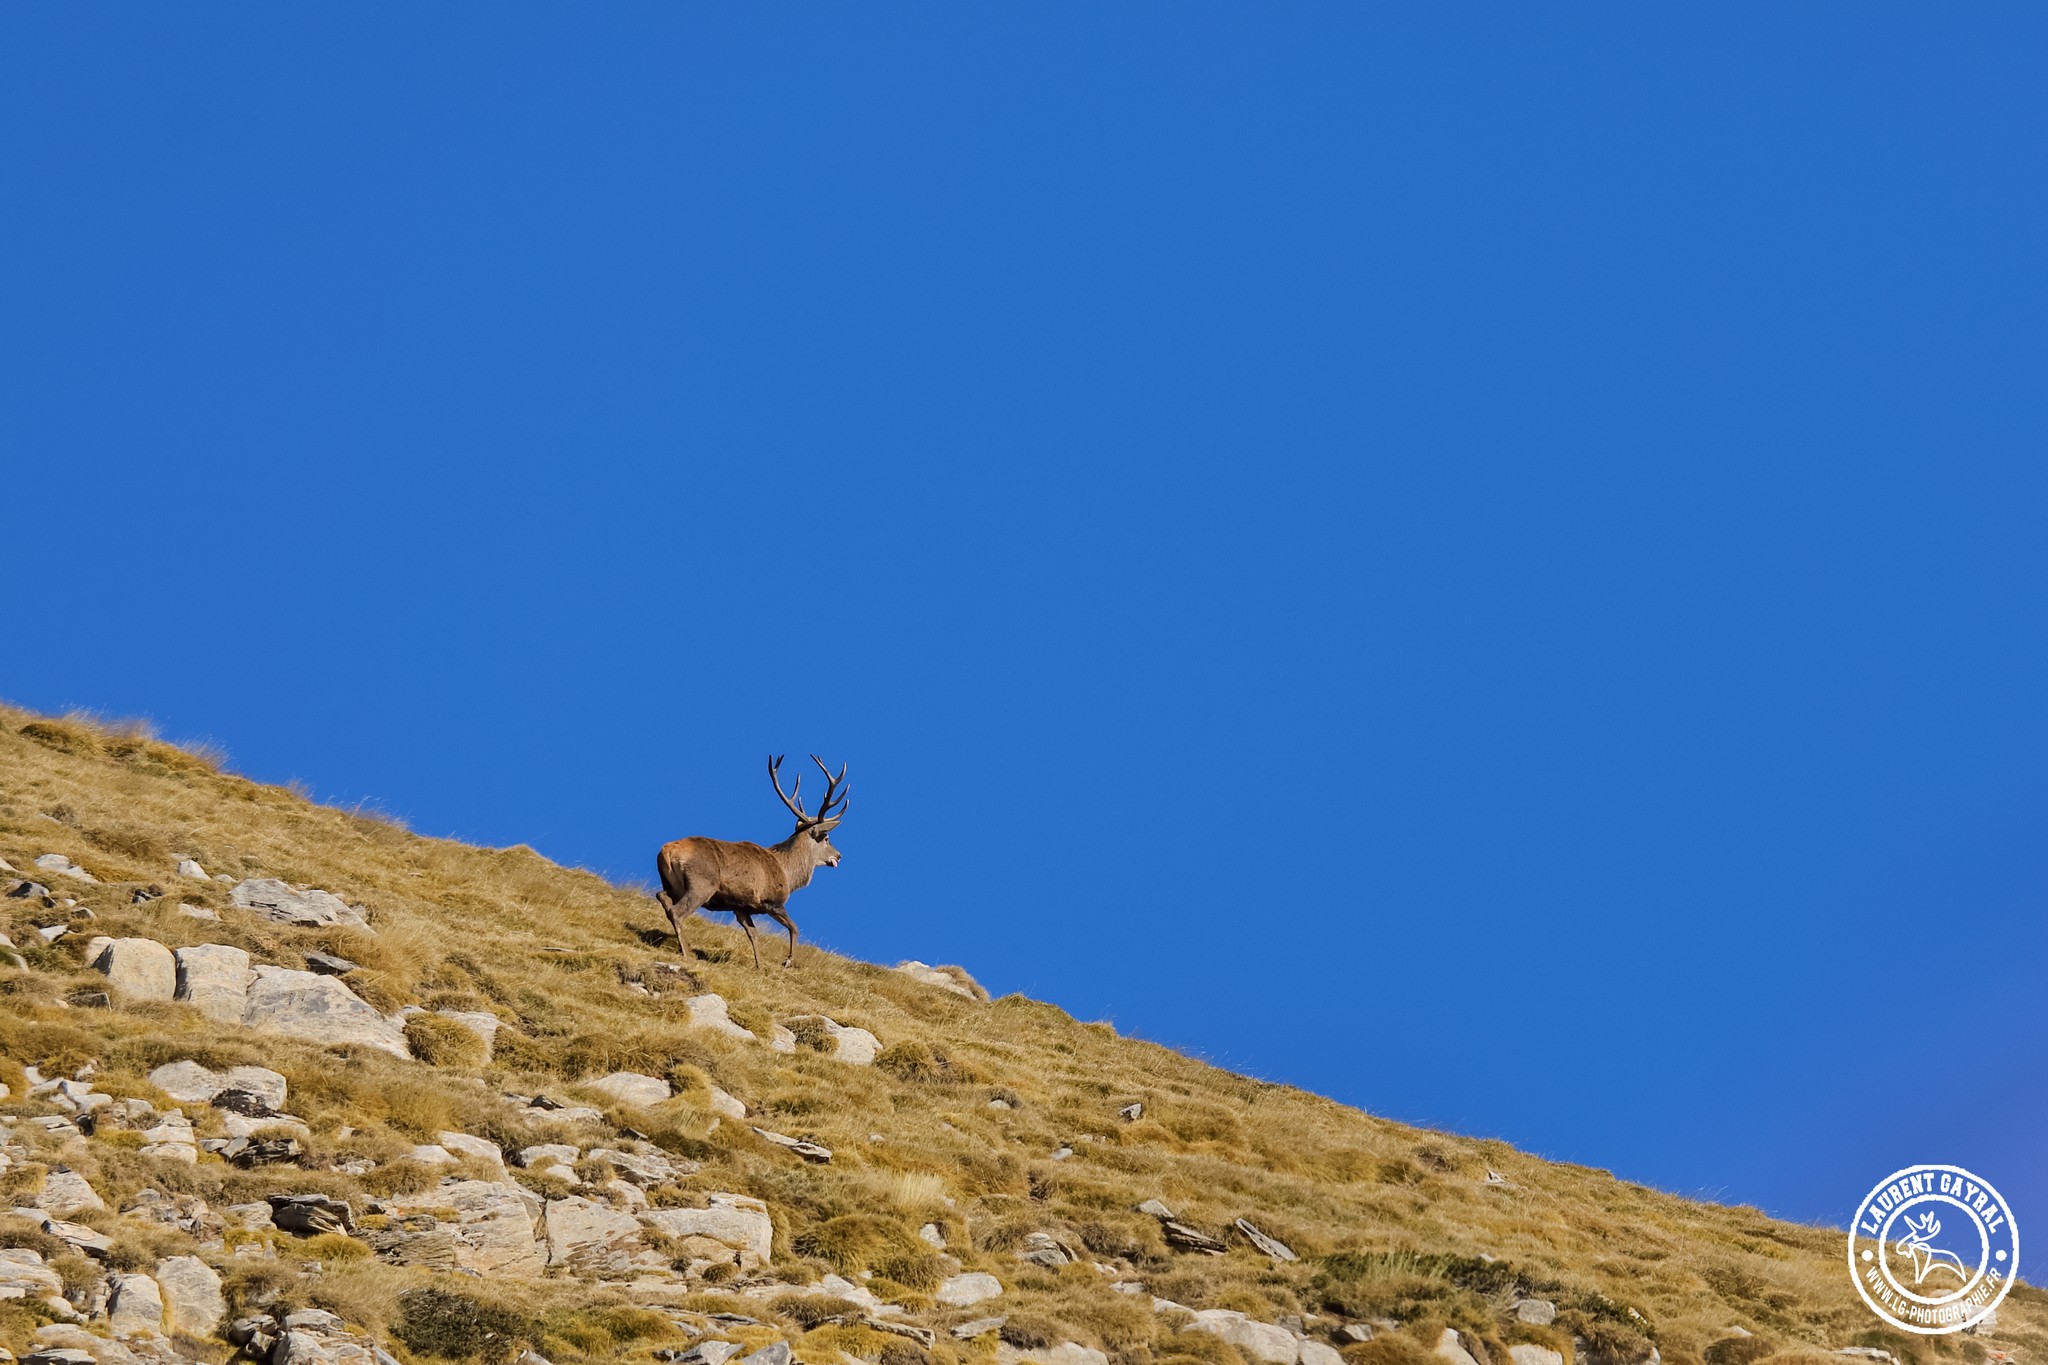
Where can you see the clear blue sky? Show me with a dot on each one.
(1488, 561)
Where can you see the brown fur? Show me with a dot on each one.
(745, 878)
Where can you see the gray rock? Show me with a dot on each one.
(631, 1087)
(814, 1152)
(65, 1191)
(64, 867)
(25, 891)
(327, 964)
(735, 1228)
(475, 1148)
(1042, 1248)
(854, 1046)
(24, 1276)
(1265, 1242)
(319, 1009)
(308, 1215)
(932, 1235)
(493, 1234)
(135, 968)
(1355, 1331)
(274, 900)
(967, 1331)
(964, 1291)
(214, 979)
(932, 976)
(189, 867)
(484, 1026)
(190, 1083)
(644, 1169)
(1451, 1349)
(774, 1353)
(1320, 1353)
(589, 1239)
(1257, 1341)
(543, 1155)
(1527, 1354)
(711, 1353)
(1535, 1312)
(1131, 1113)
(1156, 1209)
(1181, 1237)
(137, 1307)
(192, 1293)
(206, 912)
(708, 1011)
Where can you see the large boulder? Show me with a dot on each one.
(190, 1083)
(709, 1012)
(734, 1229)
(135, 968)
(64, 1192)
(630, 1087)
(855, 1046)
(1260, 1341)
(319, 1009)
(24, 1276)
(1452, 1350)
(492, 1233)
(137, 1307)
(592, 1240)
(214, 979)
(274, 900)
(944, 978)
(962, 1291)
(192, 1293)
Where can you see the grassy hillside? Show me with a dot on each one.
(956, 1124)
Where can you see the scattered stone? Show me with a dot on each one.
(631, 1087)
(191, 1290)
(968, 1331)
(474, 1148)
(708, 1011)
(774, 1353)
(1156, 1209)
(198, 911)
(704, 1353)
(933, 1236)
(543, 1155)
(1066, 1353)
(933, 976)
(1265, 1242)
(50, 933)
(964, 1291)
(923, 1336)
(1131, 1113)
(1535, 1312)
(23, 891)
(1860, 1352)
(64, 867)
(1449, 1348)
(854, 1046)
(1060, 1153)
(1181, 1237)
(137, 1306)
(781, 1039)
(79, 1236)
(483, 1025)
(803, 1147)
(189, 867)
(24, 1276)
(725, 1105)
(214, 979)
(65, 1191)
(1259, 1341)
(135, 968)
(587, 1238)
(1355, 1331)
(1042, 1248)
(274, 900)
(327, 964)
(1528, 1354)
(1497, 1180)
(319, 1009)
(308, 1215)
(493, 1233)
(190, 1083)
(648, 1168)
(734, 1229)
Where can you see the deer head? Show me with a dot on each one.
(813, 832)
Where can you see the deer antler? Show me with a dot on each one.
(834, 791)
(795, 800)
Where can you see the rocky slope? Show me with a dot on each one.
(288, 1083)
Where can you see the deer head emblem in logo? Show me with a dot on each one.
(1927, 1258)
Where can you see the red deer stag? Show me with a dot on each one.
(747, 879)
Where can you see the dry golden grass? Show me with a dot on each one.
(1391, 1220)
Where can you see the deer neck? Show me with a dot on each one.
(797, 859)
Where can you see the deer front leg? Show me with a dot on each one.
(782, 918)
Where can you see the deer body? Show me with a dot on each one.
(745, 879)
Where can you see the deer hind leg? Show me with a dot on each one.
(678, 908)
(747, 923)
